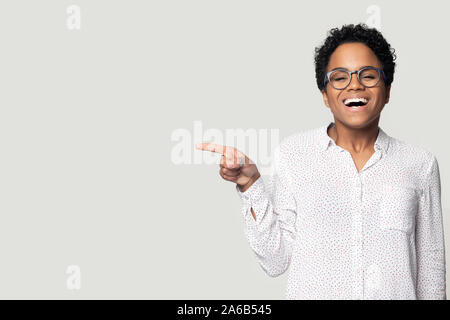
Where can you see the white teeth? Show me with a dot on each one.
(347, 101)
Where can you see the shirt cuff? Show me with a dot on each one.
(254, 193)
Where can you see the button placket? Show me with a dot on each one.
(361, 232)
(357, 239)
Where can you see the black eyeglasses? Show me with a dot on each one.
(340, 78)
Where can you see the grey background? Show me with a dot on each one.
(86, 176)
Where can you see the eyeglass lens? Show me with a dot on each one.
(368, 77)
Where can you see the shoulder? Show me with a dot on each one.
(295, 149)
(301, 141)
(413, 157)
(410, 152)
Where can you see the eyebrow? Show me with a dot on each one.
(342, 68)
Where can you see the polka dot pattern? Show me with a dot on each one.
(344, 234)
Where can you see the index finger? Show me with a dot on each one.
(211, 147)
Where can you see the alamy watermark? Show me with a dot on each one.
(374, 19)
(73, 281)
(257, 144)
(73, 21)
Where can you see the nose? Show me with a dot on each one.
(354, 83)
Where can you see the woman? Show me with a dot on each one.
(352, 212)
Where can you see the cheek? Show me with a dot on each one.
(379, 100)
(379, 95)
(336, 100)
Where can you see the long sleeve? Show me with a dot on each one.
(272, 234)
(430, 250)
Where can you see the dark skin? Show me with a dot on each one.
(355, 132)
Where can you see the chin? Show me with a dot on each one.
(355, 122)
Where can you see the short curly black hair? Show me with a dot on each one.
(371, 37)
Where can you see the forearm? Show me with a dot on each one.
(269, 228)
(248, 185)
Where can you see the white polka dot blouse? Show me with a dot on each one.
(344, 234)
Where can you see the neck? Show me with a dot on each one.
(355, 140)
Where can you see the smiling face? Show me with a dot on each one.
(354, 56)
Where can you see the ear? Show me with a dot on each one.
(325, 98)
(388, 94)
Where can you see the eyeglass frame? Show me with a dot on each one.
(350, 74)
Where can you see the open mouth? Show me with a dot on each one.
(356, 102)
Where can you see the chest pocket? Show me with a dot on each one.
(398, 208)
